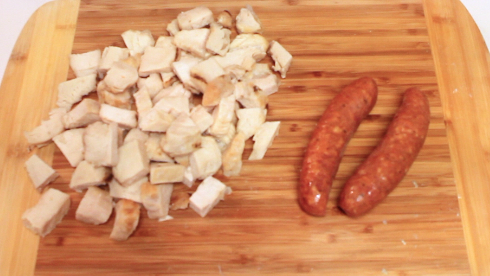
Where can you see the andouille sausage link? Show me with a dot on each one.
(388, 164)
(327, 144)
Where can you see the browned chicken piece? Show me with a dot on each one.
(87, 174)
(95, 206)
(223, 116)
(217, 89)
(70, 143)
(133, 163)
(232, 156)
(127, 218)
(40, 173)
(47, 213)
(194, 19)
(164, 173)
(101, 143)
(224, 19)
(156, 199)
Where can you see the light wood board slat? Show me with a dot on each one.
(38, 63)
(464, 82)
(260, 229)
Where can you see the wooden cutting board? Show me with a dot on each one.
(436, 222)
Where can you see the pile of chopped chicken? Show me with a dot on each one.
(172, 110)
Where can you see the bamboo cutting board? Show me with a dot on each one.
(436, 222)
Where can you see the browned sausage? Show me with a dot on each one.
(386, 166)
(327, 144)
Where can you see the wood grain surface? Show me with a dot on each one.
(259, 229)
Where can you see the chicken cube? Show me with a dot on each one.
(173, 27)
(224, 140)
(127, 219)
(201, 117)
(193, 41)
(110, 55)
(122, 117)
(242, 41)
(86, 63)
(133, 163)
(281, 57)
(249, 120)
(223, 115)
(85, 113)
(247, 21)
(131, 192)
(173, 105)
(268, 84)
(189, 178)
(157, 60)
(164, 173)
(206, 160)
(143, 102)
(207, 70)
(120, 77)
(207, 195)
(168, 79)
(47, 213)
(217, 89)
(219, 40)
(101, 141)
(263, 139)
(156, 121)
(136, 134)
(70, 143)
(40, 173)
(176, 90)
(194, 19)
(48, 128)
(156, 199)
(182, 70)
(224, 19)
(137, 41)
(154, 149)
(87, 174)
(72, 91)
(249, 98)
(95, 206)
(244, 58)
(153, 83)
(232, 156)
(183, 136)
(121, 100)
(180, 159)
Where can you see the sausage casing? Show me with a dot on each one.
(327, 144)
(388, 164)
